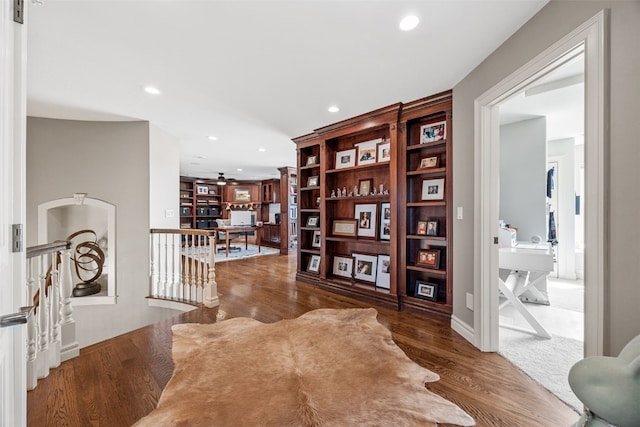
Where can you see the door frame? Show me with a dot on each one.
(592, 37)
(13, 116)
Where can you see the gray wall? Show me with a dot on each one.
(523, 176)
(164, 179)
(108, 161)
(555, 20)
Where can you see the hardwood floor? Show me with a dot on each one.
(118, 381)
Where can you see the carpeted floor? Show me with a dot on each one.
(546, 361)
(252, 251)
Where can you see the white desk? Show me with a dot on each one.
(528, 264)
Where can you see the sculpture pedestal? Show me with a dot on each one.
(86, 288)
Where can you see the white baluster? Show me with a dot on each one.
(153, 275)
(210, 292)
(32, 330)
(54, 300)
(42, 361)
(70, 347)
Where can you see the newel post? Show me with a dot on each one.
(210, 294)
(70, 347)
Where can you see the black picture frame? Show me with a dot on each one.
(426, 290)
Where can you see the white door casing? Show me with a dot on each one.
(13, 391)
(590, 36)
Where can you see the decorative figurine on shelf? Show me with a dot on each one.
(355, 190)
(344, 191)
(373, 191)
(350, 193)
(333, 194)
(381, 188)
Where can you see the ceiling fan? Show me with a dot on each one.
(222, 180)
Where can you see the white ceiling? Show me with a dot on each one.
(253, 73)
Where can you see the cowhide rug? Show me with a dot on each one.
(326, 368)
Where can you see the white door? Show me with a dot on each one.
(13, 391)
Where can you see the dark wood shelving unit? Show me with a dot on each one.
(407, 195)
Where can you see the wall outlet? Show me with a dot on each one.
(470, 301)
(169, 213)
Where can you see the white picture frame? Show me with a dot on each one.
(314, 264)
(316, 240)
(346, 158)
(384, 152)
(365, 267)
(367, 151)
(433, 132)
(433, 189)
(385, 221)
(383, 276)
(366, 214)
(343, 266)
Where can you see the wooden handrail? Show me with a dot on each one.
(47, 248)
(188, 231)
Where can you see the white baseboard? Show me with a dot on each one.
(463, 329)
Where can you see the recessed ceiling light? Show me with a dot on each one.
(239, 169)
(408, 23)
(152, 90)
(201, 157)
(212, 138)
(333, 109)
(262, 150)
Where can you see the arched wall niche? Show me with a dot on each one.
(57, 219)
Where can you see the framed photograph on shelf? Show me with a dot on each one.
(313, 181)
(422, 228)
(383, 276)
(426, 290)
(201, 189)
(345, 227)
(342, 266)
(346, 158)
(433, 132)
(367, 152)
(366, 214)
(428, 258)
(314, 264)
(433, 189)
(385, 221)
(365, 267)
(312, 160)
(432, 227)
(384, 152)
(364, 186)
(430, 162)
(315, 241)
(313, 221)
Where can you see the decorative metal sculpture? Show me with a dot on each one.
(88, 259)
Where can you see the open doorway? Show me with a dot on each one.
(590, 37)
(541, 159)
